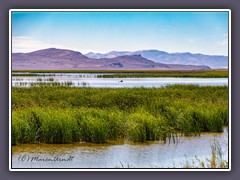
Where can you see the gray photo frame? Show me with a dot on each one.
(4, 75)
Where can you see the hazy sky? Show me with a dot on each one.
(196, 32)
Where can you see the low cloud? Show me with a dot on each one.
(27, 44)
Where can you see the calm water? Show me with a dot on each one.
(93, 80)
(138, 155)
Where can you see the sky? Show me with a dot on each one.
(102, 32)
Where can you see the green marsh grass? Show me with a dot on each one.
(58, 114)
(200, 74)
(134, 73)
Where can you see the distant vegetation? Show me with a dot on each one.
(68, 114)
(202, 74)
(133, 73)
(32, 74)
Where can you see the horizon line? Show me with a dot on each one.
(68, 49)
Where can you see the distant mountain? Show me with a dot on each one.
(111, 54)
(213, 61)
(132, 62)
(61, 59)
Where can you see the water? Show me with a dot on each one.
(120, 154)
(93, 80)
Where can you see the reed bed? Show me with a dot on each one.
(44, 83)
(31, 74)
(67, 114)
(133, 73)
(200, 74)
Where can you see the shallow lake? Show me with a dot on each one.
(119, 154)
(93, 80)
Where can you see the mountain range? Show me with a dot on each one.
(63, 59)
(213, 61)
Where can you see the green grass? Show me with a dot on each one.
(26, 74)
(202, 74)
(136, 73)
(67, 114)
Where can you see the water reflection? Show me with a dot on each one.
(94, 80)
(154, 154)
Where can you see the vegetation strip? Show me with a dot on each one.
(68, 114)
(132, 73)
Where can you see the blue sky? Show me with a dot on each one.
(196, 32)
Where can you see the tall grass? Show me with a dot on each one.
(68, 114)
(33, 125)
(142, 126)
